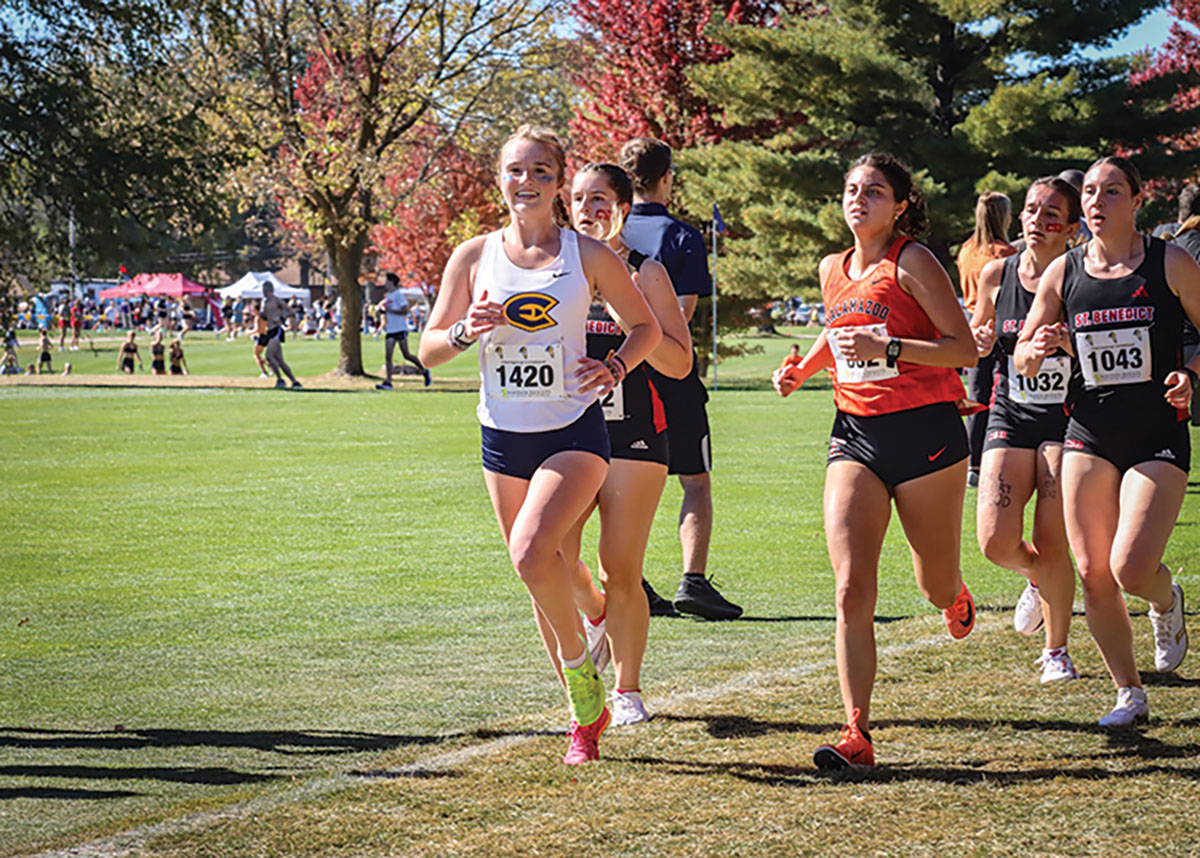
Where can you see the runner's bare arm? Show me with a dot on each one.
(1183, 278)
(454, 304)
(673, 354)
(609, 276)
(983, 321)
(1044, 330)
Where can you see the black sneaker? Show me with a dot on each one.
(696, 595)
(659, 607)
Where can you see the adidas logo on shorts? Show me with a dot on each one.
(1164, 453)
(639, 445)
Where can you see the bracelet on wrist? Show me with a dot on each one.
(616, 367)
(1192, 377)
(620, 360)
(457, 337)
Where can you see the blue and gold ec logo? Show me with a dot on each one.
(530, 311)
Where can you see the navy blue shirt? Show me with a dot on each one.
(649, 229)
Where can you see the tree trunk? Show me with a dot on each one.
(347, 266)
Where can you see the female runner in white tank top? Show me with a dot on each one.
(523, 293)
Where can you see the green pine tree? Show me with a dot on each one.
(974, 94)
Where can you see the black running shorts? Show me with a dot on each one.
(687, 423)
(1130, 442)
(901, 446)
(1009, 426)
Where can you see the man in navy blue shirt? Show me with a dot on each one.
(649, 229)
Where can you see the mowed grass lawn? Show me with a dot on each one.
(241, 622)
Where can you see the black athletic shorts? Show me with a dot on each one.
(265, 339)
(901, 446)
(399, 335)
(45, 358)
(687, 422)
(1024, 429)
(176, 370)
(1131, 441)
(127, 364)
(158, 366)
(519, 454)
(637, 439)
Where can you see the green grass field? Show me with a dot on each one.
(241, 622)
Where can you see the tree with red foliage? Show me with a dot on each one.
(635, 78)
(455, 203)
(1179, 55)
(333, 101)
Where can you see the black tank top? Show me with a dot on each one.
(1119, 325)
(157, 350)
(604, 334)
(1012, 307)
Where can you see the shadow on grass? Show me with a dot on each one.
(215, 776)
(799, 618)
(287, 742)
(64, 794)
(967, 773)
(1131, 742)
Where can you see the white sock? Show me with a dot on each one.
(574, 663)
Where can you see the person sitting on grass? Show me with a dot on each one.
(127, 355)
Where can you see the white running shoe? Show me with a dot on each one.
(627, 708)
(1027, 618)
(597, 644)
(1131, 708)
(1170, 634)
(1056, 665)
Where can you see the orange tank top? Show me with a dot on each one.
(871, 388)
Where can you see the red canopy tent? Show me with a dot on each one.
(127, 289)
(172, 286)
(168, 285)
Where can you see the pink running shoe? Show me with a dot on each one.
(583, 747)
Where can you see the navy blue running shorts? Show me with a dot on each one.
(519, 454)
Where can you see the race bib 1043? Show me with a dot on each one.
(524, 372)
(1048, 387)
(854, 371)
(1114, 357)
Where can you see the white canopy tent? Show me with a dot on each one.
(251, 285)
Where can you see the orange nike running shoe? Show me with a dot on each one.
(960, 617)
(854, 749)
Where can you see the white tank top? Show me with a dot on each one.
(527, 365)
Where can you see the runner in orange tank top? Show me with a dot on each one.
(895, 333)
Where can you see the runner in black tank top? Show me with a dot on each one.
(1122, 299)
(617, 620)
(1023, 443)
(1025, 412)
(1128, 335)
(633, 412)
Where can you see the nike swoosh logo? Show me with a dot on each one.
(970, 615)
(938, 453)
(560, 273)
